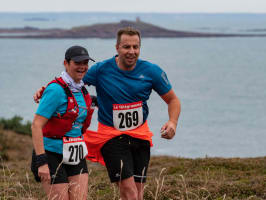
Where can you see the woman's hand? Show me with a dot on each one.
(44, 173)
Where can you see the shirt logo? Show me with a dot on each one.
(163, 75)
(141, 76)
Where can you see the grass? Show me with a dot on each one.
(168, 177)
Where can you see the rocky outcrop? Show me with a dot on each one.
(109, 30)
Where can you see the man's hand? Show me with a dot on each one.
(168, 130)
(38, 94)
(44, 173)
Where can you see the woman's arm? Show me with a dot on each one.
(37, 139)
(37, 135)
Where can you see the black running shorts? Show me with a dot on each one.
(61, 174)
(125, 157)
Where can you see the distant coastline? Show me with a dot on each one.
(36, 19)
(108, 30)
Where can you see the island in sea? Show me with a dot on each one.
(109, 30)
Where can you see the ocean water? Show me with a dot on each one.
(220, 81)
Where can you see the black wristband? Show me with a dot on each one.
(41, 160)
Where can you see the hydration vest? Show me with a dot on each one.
(58, 126)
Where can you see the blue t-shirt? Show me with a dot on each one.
(116, 86)
(53, 101)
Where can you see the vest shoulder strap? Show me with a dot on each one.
(84, 90)
(62, 83)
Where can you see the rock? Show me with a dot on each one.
(109, 30)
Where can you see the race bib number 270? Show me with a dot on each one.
(74, 150)
(127, 116)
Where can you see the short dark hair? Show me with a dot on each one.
(128, 31)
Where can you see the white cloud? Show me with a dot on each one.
(136, 5)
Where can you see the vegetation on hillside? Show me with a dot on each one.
(169, 178)
(3, 146)
(15, 124)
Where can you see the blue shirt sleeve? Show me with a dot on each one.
(52, 98)
(91, 76)
(160, 81)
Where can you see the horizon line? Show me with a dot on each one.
(130, 12)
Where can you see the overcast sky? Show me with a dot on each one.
(212, 6)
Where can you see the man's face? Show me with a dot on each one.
(128, 51)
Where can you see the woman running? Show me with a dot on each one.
(64, 113)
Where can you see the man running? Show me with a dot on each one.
(123, 85)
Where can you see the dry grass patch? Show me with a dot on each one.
(169, 178)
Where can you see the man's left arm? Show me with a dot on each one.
(174, 107)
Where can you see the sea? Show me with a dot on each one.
(221, 82)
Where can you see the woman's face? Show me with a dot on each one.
(76, 70)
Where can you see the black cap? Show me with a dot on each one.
(77, 54)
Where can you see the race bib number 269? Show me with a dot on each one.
(127, 116)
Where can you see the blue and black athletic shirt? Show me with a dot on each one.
(116, 86)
